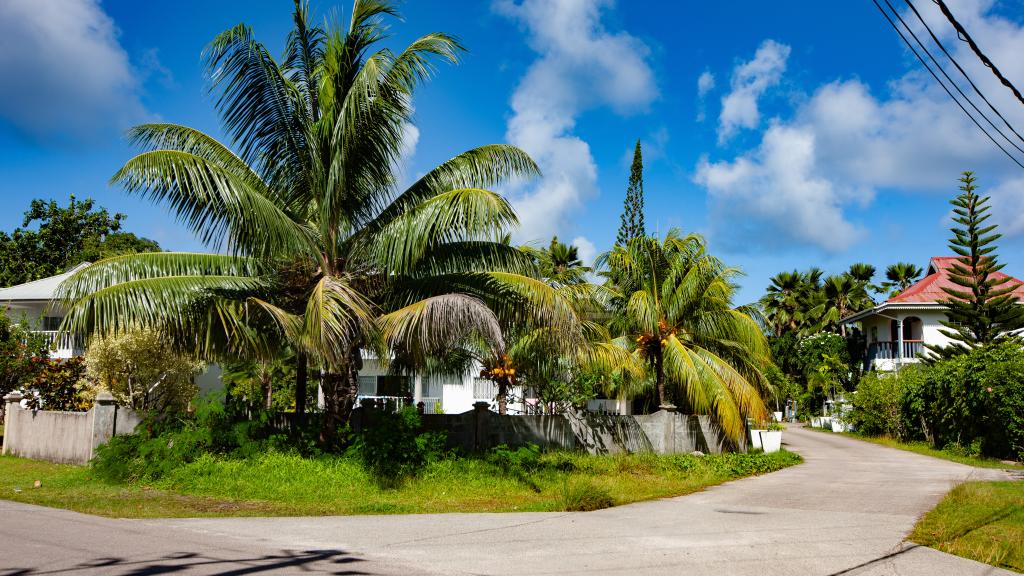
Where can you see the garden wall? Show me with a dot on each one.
(65, 437)
(664, 432)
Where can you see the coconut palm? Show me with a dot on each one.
(901, 276)
(781, 304)
(308, 185)
(844, 295)
(672, 309)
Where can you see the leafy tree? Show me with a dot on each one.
(271, 383)
(22, 353)
(53, 238)
(633, 209)
(310, 185)
(901, 276)
(142, 370)
(982, 309)
(58, 384)
(672, 307)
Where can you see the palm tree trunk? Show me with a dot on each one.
(301, 377)
(502, 397)
(340, 391)
(268, 389)
(659, 378)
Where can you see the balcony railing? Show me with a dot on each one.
(890, 350)
(63, 344)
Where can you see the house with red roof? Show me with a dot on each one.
(898, 329)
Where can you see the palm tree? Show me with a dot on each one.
(672, 309)
(782, 302)
(844, 295)
(309, 184)
(901, 276)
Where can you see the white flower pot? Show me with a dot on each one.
(837, 426)
(755, 439)
(771, 440)
(778, 416)
(815, 422)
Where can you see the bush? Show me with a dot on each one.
(584, 496)
(392, 447)
(974, 398)
(878, 403)
(515, 461)
(59, 385)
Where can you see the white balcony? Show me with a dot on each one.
(61, 344)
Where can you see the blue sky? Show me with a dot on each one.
(792, 134)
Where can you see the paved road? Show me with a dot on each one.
(845, 511)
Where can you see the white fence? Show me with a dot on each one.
(65, 437)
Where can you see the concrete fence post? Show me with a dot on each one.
(480, 415)
(103, 420)
(12, 408)
(670, 428)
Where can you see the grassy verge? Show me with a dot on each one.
(927, 450)
(283, 484)
(983, 521)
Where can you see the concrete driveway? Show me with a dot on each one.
(845, 511)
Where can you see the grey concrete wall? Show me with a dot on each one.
(64, 437)
(664, 432)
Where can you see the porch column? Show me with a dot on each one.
(899, 340)
(417, 389)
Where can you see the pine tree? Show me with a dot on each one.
(982, 309)
(632, 225)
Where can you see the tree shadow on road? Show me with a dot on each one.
(313, 561)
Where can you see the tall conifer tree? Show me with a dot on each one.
(633, 210)
(982, 309)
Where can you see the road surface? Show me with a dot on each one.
(845, 511)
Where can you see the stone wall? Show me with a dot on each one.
(664, 432)
(65, 437)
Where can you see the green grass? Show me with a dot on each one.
(927, 450)
(282, 484)
(983, 521)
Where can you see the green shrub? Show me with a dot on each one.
(392, 447)
(878, 402)
(974, 398)
(582, 495)
(515, 461)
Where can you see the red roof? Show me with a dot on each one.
(929, 288)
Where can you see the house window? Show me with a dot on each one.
(392, 385)
(52, 323)
(368, 385)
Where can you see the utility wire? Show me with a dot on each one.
(948, 78)
(977, 51)
(937, 79)
(962, 71)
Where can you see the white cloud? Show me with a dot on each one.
(586, 250)
(844, 144)
(65, 74)
(705, 84)
(778, 184)
(580, 66)
(749, 82)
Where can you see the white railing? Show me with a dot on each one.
(387, 403)
(432, 405)
(63, 344)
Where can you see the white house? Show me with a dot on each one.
(898, 329)
(35, 303)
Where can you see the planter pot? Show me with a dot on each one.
(755, 439)
(815, 422)
(837, 426)
(771, 441)
(778, 416)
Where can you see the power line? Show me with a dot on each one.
(941, 84)
(962, 71)
(977, 51)
(948, 78)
